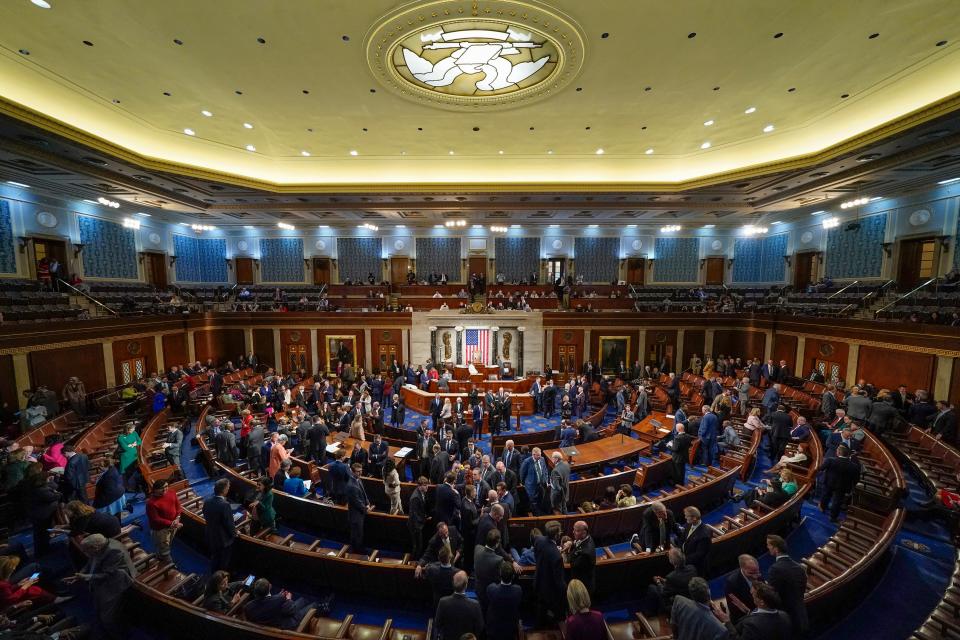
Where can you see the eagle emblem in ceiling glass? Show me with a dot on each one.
(465, 58)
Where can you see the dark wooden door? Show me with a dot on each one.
(155, 269)
(321, 271)
(478, 265)
(636, 270)
(805, 272)
(53, 250)
(399, 267)
(714, 270)
(244, 270)
(917, 261)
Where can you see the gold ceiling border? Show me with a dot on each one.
(947, 353)
(918, 117)
(548, 24)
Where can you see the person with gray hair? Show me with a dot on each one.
(559, 483)
(692, 617)
(458, 614)
(109, 572)
(663, 591)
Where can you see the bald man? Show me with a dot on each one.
(581, 554)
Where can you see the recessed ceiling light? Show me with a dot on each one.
(247, 125)
(708, 123)
(305, 153)
(554, 226)
(285, 226)
(141, 213)
(18, 184)
(768, 128)
(190, 132)
(478, 226)
(750, 110)
(549, 152)
(249, 227)
(818, 213)
(709, 226)
(43, 4)
(949, 181)
(450, 152)
(353, 152)
(438, 226)
(705, 145)
(631, 226)
(500, 152)
(514, 226)
(207, 113)
(648, 151)
(401, 226)
(777, 222)
(599, 152)
(403, 153)
(594, 226)
(90, 201)
(250, 147)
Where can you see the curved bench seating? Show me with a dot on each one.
(944, 620)
(935, 462)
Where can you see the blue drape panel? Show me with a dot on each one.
(358, 257)
(109, 249)
(200, 259)
(438, 255)
(517, 258)
(760, 259)
(8, 252)
(597, 258)
(281, 260)
(857, 253)
(677, 260)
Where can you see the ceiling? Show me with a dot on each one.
(120, 82)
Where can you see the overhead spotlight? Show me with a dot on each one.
(648, 151)
(599, 152)
(854, 203)
(250, 147)
(43, 4)
(207, 113)
(830, 223)
(113, 204)
(18, 184)
(752, 230)
(498, 229)
(190, 132)
(305, 154)
(130, 223)
(631, 226)
(670, 228)
(286, 227)
(142, 214)
(249, 227)
(247, 125)
(708, 123)
(514, 226)
(353, 152)
(705, 145)
(818, 213)
(324, 226)
(594, 226)
(709, 226)
(369, 227)
(949, 181)
(202, 227)
(750, 110)
(500, 152)
(477, 226)
(450, 152)
(768, 128)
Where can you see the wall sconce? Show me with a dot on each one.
(77, 249)
(887, 248)
(22, 242)
(306, 262)
(173, 260)
(650, 261)
(256, 263)
(788, 260)
(141, 256)
(703, 261)
(229, 263)
(730, 263)
(333, 261)
(944, 241)
(819, 257)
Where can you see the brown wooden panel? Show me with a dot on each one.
(785, 348)
(385, 342)
(244, 268)
(826, 350)
(174, 349)
(8, 385)
(633, 335)
(129, 348)
(263, 346)
(323, 336)
(298, 341)
(572, 341)
(886, 368)
(693, 341)
(955, 382)
(219, 345)
(714, 270)
(739, 344)
(660, 344)
(53, 367)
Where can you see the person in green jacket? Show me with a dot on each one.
(263, 505)
(129, 443)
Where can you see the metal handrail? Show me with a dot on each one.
(88, 297)
(906, 295)
(836, 293)
(323, 288)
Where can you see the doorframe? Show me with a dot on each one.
(74, 260)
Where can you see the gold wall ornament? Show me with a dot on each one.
(459, 56)
(447, 346)
(507, 339)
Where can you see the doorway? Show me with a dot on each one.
(636, 271)
(806, 271)
(714, 270)
(478, 265)
(555, 269)
(321, 271)
(567, 362)
(399, 268)
(52, 250)
(155, 269)
(133, 369)
(244, 270)
(918, 261)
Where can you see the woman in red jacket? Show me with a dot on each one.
(12, 593)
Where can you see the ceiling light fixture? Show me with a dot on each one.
(247, 125)
(401, 226)
(498, 229)
(353, 152)
(305, 154)
(752, 230)
(450, 152)
(201, 227)
(369, 227)
(477, 226)
(594, 226)
(750, 110)
(830, 223)
(708, 123)
(142, 214)
(18, 184)
(705, 145)
(286, 227)
(856, 202)
(648, 151)
(43, 4)
(500, 152)
(670, 228)
(631, 226)
(324, 226)
(455, 223)
(514, 226)
(249, 227)
(190, 132)
(250, 147)
(207, 113)
(113, 204)
(949, 181)
(130, 223)
(709, 226)
(818, 213)
(599, 152)
(768, 128)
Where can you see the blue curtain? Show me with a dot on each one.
(517, 258)
(856, 253)
(677, 260)
(109, 249)
(358, 257)
(597, 258)
(200, 259)
(281, 260)
(438, 255)
(760, 259)
(8, 252)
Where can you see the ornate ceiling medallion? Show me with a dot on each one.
(463, 54)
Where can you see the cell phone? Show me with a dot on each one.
(249, 581)
(35, 576)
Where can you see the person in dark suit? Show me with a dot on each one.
(109, 572)
(680, 453)
(457, 614)
(658, 524)
(766, 621)
(76, 475)
(424, 448)
(781, 424)
(901, 400)
(695, 541)
(737, 587)
(317, 438)
(840, 474)
(357, 507)
(883, 416)
(436, 408)
(279, 610)
(510, 458)
(673, 391)
(503, 605)
(220, 529)
(444, 537)
(377, 453)
(397, 410)
(549, 399)
(581, 554)
(440, 575)
(447, 498)
(439, 464)
(417, 516)
(549, 586)
(534, 476)
(225, 443)
(559, 483)
(943, 426)
(664, 589)
(789, 580)
(449, 445)
(462, 435)
(487, 557)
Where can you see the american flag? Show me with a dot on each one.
(478, 342)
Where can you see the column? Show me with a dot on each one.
(459, 352)
(852, 359)
(767, 345)
(641, 356)
(158, 348)
(315, 350)
(518, 365)
(586, 346)
(548, 349)
(278, 365)
(707, 344)
(108, 368)
(21, 377)
(405, 345)
(678, 363)
(494, 343)
(191, 347)
(941, 385)
(248, 340)
(798, 368)
(367, 348)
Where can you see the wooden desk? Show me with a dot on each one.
(419, 401)
(603, 451)
(346, 443)
(648, 431)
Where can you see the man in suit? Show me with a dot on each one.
(357, 507)
(549, 586)
(110, 573)
(658, 524)
(425, 444)
(76, 475)
(843, 437)
(397, 410)
(510, 458)
(549, 399)
(680, 454)
(506, 407)
(436, 408)
(781, 424)
(559, 483)
(255, 441)
(449, 445)
(581, 554)
(840, 474)
(944, 424)
(692, 617)
(883, 416)
(377, 453)
(789, 580)
(534, 476)
(448, 501)
(695, 541)
(440, 576)
(225, 444)
(440, 462)
(737, 587)
(445, 537)
(279, 610)
(901, 400)
(770, 372)
(462, 434)
(708, 433)
(220, 526)
(673, 391)
(457, 614)
(487, 557)
(783, 372)
(503, 605)
(339, 477)
(317, 441)
(506, 476)
(417, 517)
(857, 404)
(828, 401)
(661, 593)
(536, 392)
(478, 413)
(766, 621)
(771, 398)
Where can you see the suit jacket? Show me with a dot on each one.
(273, 611)
(696, 547)
(448, 505)
(417, 510)
(945, 426)
(549, 586)
(356, 499)
(676, 584)
(681, 448)
(761, 625)
(112, 573)
(781, 424)
(858, 407)
(840, 473)
(505, 600)
(736, 585)
(76, 475)
(226, 446)
(560, 482)
(456, 615)
(511, 460)
(583, 562)
(220, 529)
(828, 404)
(432, 551)
(882, 416)
(650, 531)
(450, 446)
(790, 581)
(693, 620)
(441, 580)
(486, 569)
(438, 468)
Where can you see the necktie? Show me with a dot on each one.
(536, 463)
